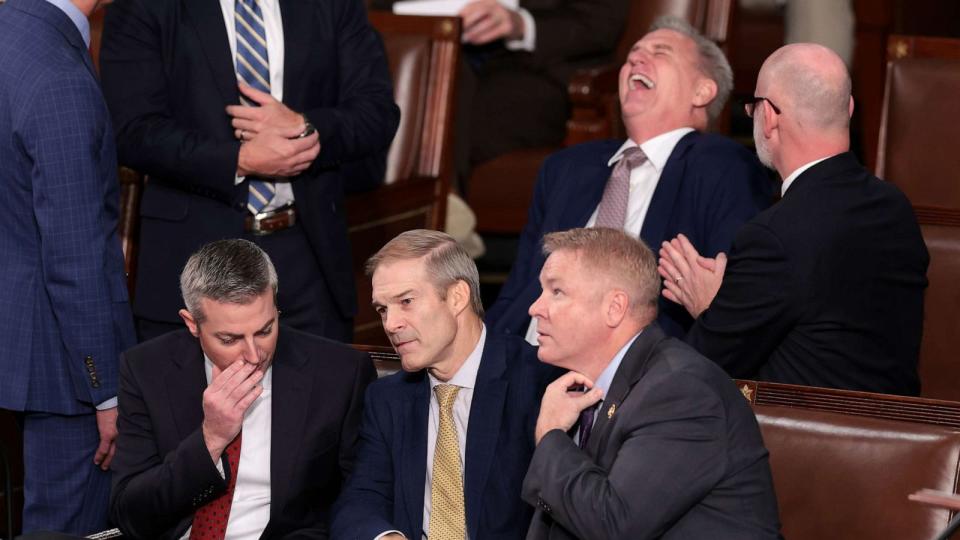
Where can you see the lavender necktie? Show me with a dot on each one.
(612, 212)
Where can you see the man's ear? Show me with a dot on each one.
(617, 304)
(704, 92)
(458, 296)
(190, 322)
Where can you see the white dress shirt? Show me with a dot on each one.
(643, 182)
(800, 170)
(250, 509)
(273, 26)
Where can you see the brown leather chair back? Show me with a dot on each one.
(918, 152)
(844, 462)
(939, 352)
(840, 476)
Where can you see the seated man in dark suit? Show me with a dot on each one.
(445, 443)
(825, 288)
(665, 445)
(199, 427)
(680, 181)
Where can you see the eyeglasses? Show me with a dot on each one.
(751, 104)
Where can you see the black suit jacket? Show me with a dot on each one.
(162, 470)
(168, 76)
(825, 288)
(675, 453)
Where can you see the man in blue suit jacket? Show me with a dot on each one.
(426, 289)
(63, 306)
(672, 84)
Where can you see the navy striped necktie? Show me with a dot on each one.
(253, 68)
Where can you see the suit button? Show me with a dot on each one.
(95, 384)
(333, 207)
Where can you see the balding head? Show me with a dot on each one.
(805, 112)
(811, 83)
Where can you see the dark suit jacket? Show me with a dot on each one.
(387, 488)
(709, 187)
(162, 471)
(168, 75)
(680, 456)
(825, 288)
(64, 316)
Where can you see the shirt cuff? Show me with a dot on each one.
(384, 533)
(237, 179)
(529, 40)
(108, 404)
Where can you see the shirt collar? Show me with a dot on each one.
(606, 377)
(800, 170)
(77, 16)
(657, 149)
(466, 376)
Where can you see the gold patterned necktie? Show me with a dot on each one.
(447, 514)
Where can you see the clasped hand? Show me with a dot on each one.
(688, 278)
(488, 20)
(271, 133)
(560, 407)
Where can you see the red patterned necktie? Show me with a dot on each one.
(612, 211)
(210, 520)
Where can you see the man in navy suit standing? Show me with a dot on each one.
(265, 159)
(63, 306)
(444, 443)
(667, 178)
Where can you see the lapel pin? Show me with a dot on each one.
(611, 411)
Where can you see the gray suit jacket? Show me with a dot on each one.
(675, 453)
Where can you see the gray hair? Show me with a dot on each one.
(624, 260)
(712, 62)
(446, 261)
(232, 271)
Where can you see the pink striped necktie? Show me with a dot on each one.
(612, 211)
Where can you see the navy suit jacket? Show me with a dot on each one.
(387, 487)
(168, 76)
(709, 187)
(675, 453)
(162, 470)
(824, 288)
(64, 316)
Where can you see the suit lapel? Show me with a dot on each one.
(486, 415)
(207, 19)
(185, 382)
(290, 405)
(665, 195)
(631, 369)
(413, 451)
(585, 192)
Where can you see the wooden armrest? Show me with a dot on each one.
(589, 86)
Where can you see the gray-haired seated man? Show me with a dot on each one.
(235, 426)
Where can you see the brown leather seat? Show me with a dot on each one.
(918, 152)
(423, 54)
(844, 462)
(501, 189)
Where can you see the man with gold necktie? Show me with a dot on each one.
(249, 117)
(444, 443)
(235, 427)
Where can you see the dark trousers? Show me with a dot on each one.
(304, 298)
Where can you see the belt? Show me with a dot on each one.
(272, 221)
